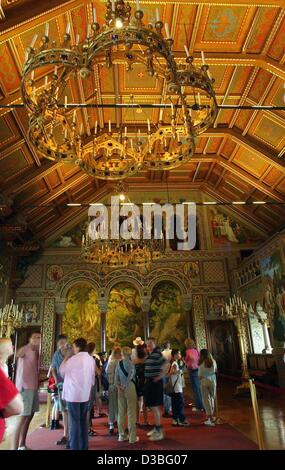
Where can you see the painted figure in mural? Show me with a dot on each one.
(215, 305)
(226, 229)
(31, 313)
(279, 317)
(272, 271)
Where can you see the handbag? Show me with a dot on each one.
(169, 387)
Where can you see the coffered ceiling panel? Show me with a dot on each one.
(240, 158)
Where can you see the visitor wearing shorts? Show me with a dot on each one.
(155, 370)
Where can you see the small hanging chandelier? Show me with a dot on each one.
(99, 247)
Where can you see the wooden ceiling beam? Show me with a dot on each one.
(249, 144)
(18, 13)
(72, 182)
(244, 176)
(23, 182)
(74, 214)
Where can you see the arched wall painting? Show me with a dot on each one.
(124, 320)
(167, 317)
(82, 317)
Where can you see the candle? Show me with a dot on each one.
(77, 39)
(126, 131)
(47, 29)
(132, 144)
(113, 5)
(172, 109)
(203, 57)
(187, 51)
(89, 30)
(65, 133)
(35, 37)
(160, 114)
(55, 69)
(148, 125)
(46, 81)
(96, 126)
(167, 30)
(81, 129)
(67, 31)
(157, 14)
(65, 102)
(32, 75)
(94, 15)
(138, 4)
(110, 129)
(74, 116)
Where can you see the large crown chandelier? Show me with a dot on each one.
(58, 133)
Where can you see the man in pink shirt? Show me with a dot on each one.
(78, 373)
(27, 382)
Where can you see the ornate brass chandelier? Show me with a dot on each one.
(130, 248)
(120, 252)
(59, 134)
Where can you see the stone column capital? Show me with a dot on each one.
(103, 305)
(145, 303)
(59, 306)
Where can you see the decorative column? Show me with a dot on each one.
(145, 312)
(103, 307)
(263, 320)
(187, 304)
(267, 344)
(59, 310)
(47, 346)
(199, 321)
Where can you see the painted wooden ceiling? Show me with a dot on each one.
(241, 158)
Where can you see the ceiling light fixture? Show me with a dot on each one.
(60, 135)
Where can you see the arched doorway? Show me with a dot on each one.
(124, 319)
(167, 318)
(81, 317)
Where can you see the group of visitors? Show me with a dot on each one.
(137, 382)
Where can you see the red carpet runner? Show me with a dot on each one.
(196, 437)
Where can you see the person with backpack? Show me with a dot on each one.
(127, 397)
(139, 358)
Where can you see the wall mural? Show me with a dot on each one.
(273, 273)
(167, 317)
(124, 320)
(31, 312)
(81, 317)
(72, 238)
(226, 230)
(254, 294)
(214, 307)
